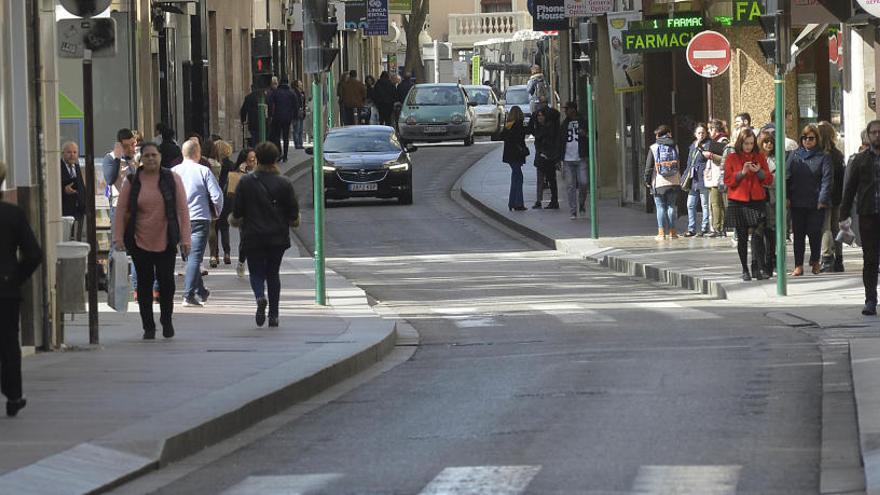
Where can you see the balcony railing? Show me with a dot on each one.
(467, 29)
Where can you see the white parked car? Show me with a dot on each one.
(489, 110)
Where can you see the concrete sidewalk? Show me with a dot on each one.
(626, 244)
(98, 416)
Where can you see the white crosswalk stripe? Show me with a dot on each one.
(571, 313)
(680, 312)
(686, 480)
(480, 480)
(298, 484)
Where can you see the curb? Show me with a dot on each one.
(123, 455)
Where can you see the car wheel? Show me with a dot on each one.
(468, 141)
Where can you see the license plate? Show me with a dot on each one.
(435, 129)
(370, 186)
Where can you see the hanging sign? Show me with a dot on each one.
(476, 69)
(661, 35)
(548, 15)
(400, 6)
(626, 68)
(377, 18)
(588, 8)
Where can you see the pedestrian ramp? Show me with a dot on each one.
(511, 480)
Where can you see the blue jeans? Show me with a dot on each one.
(692, 210)
(264, 266)
(515, 199)
(666, 209)
(193, 284)
(576, 182)
(298, 133)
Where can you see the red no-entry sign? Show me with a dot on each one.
(708, 54)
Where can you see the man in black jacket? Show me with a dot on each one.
(861, 187)
(250, 115)
(16, 238)
(284, 107)
(73, 189)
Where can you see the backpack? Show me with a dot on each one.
(539, 89)
(666, 160)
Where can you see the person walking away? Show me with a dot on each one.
(662, 177)
(373, 114)
(209, 154)
(861, 187)
(250, 115)
(832, 250)
(244, 164)
(746, 174)
(808, 182)
(153, 219)
(73, 189)
(574, 159)
(285, 107)
(354, 96)
(266, 207)
(404, 85)
(300, 116)
(20, 255)
(384, 96)
(515, 153)
(169, 148)
(224, 150)
(696, 170)
(714, 175)
(205, 201)
(767, 144)
(537, 88)
(546, 132)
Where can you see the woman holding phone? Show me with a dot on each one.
(746, 173)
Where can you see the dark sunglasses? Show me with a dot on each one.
(808, 138)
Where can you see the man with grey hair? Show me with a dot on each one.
(205, 201)
(20, 255)
(73, 189)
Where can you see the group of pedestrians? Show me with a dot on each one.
(372, 101)
(732, 181)
(286, 111)
(162, 211)
(559, 145)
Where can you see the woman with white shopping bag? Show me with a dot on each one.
(152, 218)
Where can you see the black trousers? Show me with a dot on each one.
(869, 229)
(547, 173)
(807, 222)
(147, 264)
(10, 350)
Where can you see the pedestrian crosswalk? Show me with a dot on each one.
(512, 480)
(488, 314)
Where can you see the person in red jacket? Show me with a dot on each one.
(745, 174)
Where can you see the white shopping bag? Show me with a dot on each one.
(117, 286)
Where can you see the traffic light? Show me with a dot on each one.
(318, 36)
(588, 35)
(263, 64)
(775, 44)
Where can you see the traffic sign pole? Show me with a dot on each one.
(591, 151)
(318, 185)
(781, 223)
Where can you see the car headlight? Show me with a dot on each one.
(457, 118)
(396, 166)
(411, 120)
(329, 168)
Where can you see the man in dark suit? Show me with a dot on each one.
(73, 189)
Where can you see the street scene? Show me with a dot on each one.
(421, 247)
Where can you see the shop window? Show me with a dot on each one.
(491, 6)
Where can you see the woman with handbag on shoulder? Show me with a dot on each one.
(515, 153)
(265, 208)
(746, 174)
(694, 182)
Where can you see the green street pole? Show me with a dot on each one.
(264, 110)
(591, 152)
(330, 95)
(318, 187)
(781, 223)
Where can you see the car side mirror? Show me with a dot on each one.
(472, 104)
(310, 151)
(410, 148)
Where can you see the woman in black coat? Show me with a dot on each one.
(16, 237)
(547, 135)
(515, 153)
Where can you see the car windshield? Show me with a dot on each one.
(435, 96)
(372, 142)
(517, 97)
(481, 96)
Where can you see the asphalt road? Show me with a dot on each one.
(537, 373)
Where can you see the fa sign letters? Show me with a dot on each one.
(747, 11)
